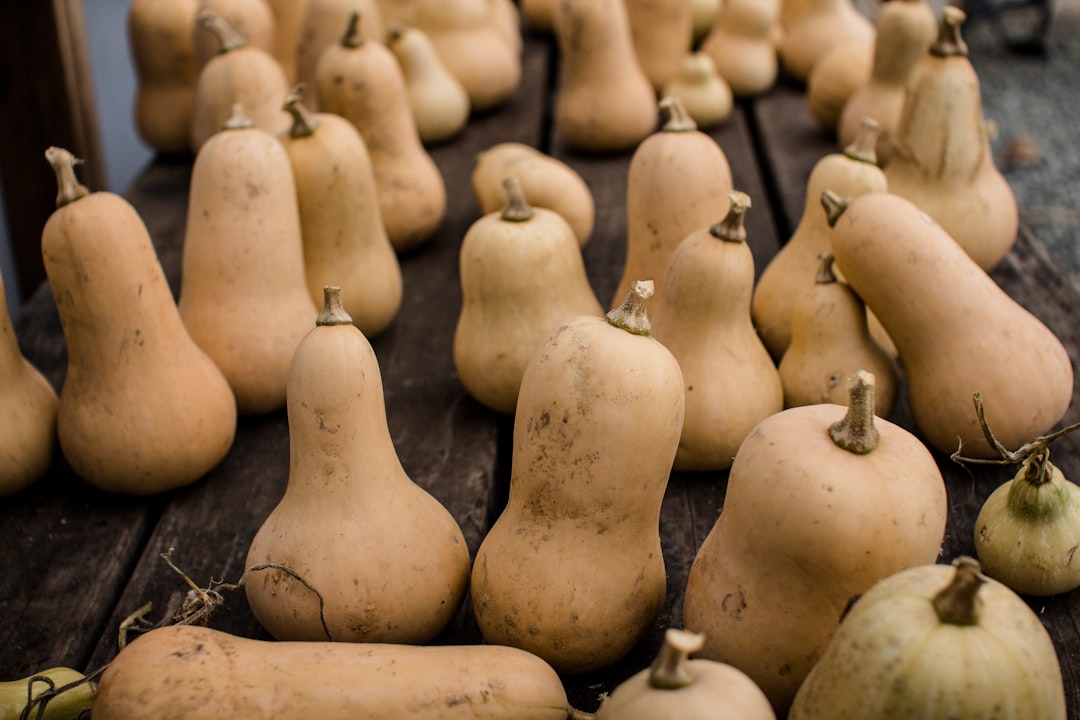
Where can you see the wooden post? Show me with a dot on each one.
(46, 98)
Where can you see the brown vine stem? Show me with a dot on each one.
(1007, 457)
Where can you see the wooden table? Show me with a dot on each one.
(77, 561)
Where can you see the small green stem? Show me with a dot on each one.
(958, 602)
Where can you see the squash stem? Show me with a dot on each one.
(239, 119)
(949, 42)
(834, 205)
(856, 432)
(631, 316)
(517, 208)
(674, 116)
(63, 163)
(304, 121)
(228, 37)
(333, 313)
(958, 602)
(731, 228)
(864, 147)
(669, 669)
(826, 275)
(352, 37)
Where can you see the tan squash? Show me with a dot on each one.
(240, 73)
(362, 81)
(397, 12)
(243, 294)
(675, 686)
(259, 680)
(572, 570)
(704, 15)
(662, 33)
(822, 502)
(742, 45)
(522, 275)
(903, 32)
(345, 242)
(251, 19)
(703, 318)
(835, 77)
(288, 26)
(28, 405)
(142, 409)
(321, 28)
(849, 173)
(599, 72)
(830, 342)
(937, 641)
(706, 95)
(546, 181)
(507, 19)
(678, 182)
(538, 14)
(814, 28)
(957, 332)
(472, 47)
(440, 105)
(388, 561)
(163, 58)
(941, 158)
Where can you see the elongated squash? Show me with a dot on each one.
(194, 673)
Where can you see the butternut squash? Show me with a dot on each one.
(251, 19)
(572, 570)
(679, 179)
(226, 675)
(242, 74)
(703, 318)
(243, 293)
(48, 700)
(830, 342)
(389, 562)
(440, 105)
(598, 72)
(849, 173)
(142, 409)
(345, 242)
(675, 686)
(814, 27)
(662, 33)
(936, 641)
(822, 502)
(941, 158)
(163, 58)
(546, 181)
(362, 81)
(288, 25)
(538, 14)
(838, 73)
(742, 45)
(472, 47)
(321, 28)
(957, 332)
(522, 275)
(706, 96)
(903, 32)
(27, 413)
